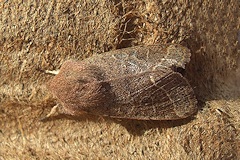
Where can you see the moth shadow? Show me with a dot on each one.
(139, 127)
(134, 127)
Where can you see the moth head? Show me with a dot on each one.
(77, 86)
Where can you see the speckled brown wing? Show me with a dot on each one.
(156, 95)
(138, 59)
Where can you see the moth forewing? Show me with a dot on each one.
(152, 95)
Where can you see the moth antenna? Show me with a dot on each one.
(54, 72)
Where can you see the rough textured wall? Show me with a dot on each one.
(40, 35)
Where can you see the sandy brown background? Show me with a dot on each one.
(41, 35)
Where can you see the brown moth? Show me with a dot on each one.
(134, 83)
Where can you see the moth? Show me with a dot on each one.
(141, 82)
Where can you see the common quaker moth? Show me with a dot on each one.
(140, 82)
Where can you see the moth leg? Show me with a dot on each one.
(54, 72)
(52, 112)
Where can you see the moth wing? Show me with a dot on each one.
(169, 55)
(152, 95)
(168, 97)
(181, 55)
